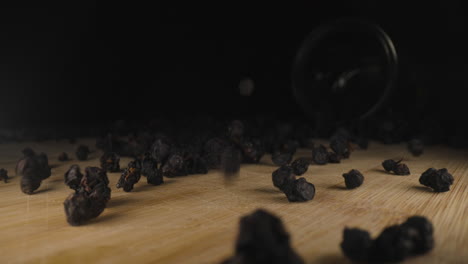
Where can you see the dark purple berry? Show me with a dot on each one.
(320, 155)
(356, 244)
(438, 180)
(299, 190)
(353, 179)
(300, 166)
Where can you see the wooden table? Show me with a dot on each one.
(194, 219)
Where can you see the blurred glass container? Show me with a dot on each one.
(345, 70)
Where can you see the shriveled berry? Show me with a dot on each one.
(130, 176)
(299, 190)
(389, 164)
(392, 245)
(320, 155)
(421, 233)
(333, 157)
(353, 179)
(281, 158)
(82, 152)
(356, 244)
(73, 177)
(300, 166)
(63, 156)
(110, 162)
(282, 175)
(438, 180)
(262, 239)
(401, 169)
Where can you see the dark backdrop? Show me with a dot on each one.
(89, 62)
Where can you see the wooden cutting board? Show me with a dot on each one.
(194, 219)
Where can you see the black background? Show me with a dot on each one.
(88, 62)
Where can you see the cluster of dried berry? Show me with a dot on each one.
(3, 175)
(90, 197)
(110, 162)
(438, 180)
(33, 168)
(262, 239)
(340, 145)
(63, 156)
(82, 152)
(394, 244)
(353, 179)
(296, 190)
(396, 166)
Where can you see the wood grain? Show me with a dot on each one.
(194, 219)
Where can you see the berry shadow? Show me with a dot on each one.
(106, 217)
(146, 186)
(421, 189)
(43, 190)
(118, 201)
(269, 190)
(337, 187)
(380, 170)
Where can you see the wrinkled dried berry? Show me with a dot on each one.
(262, 239)
(392, 245)
(63, 156)
(230, 161)
(195, 164)
(333, 157)
(320, 155)
(161, 149)
(174, 166)
(33, 168)
(300, 166)
(110, 162)
(73, 177)
(155, 177)
(353, 179)
(90, 198)
(396, 166)
(401, 169)
(130, 176)
(421, 233)
(148, 165)
(416, 147)
(299, 190)
(356, 244)
(3, 175)
(281, 158)
(389, 164)
(252, 150)
(281, 176)
(30, 181)
(438, 180)
(82, 152)
(340, 146)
